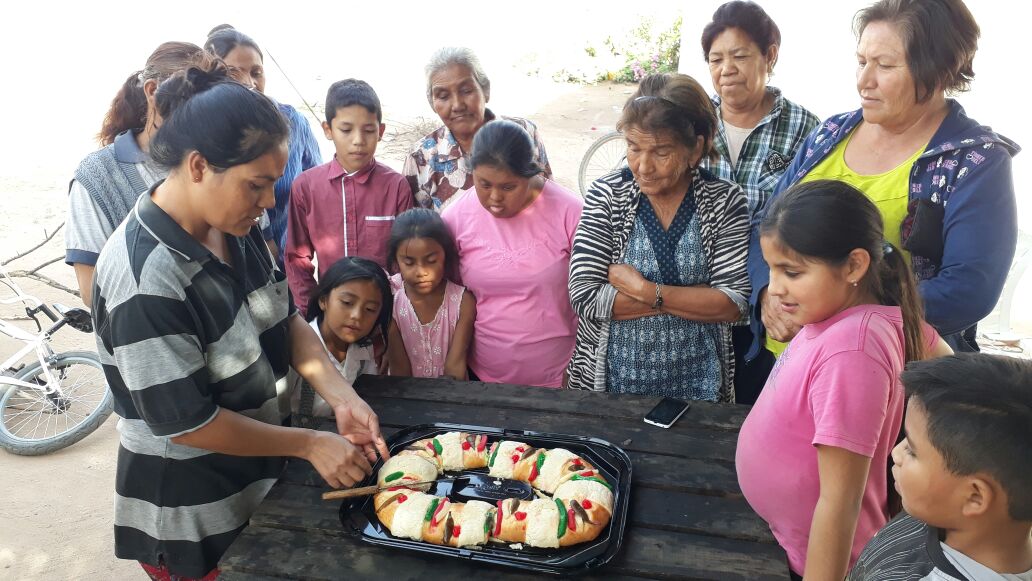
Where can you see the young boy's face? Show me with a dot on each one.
(354, 131)
(930, 492)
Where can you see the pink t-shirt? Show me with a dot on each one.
(518, 270)
(837, 384)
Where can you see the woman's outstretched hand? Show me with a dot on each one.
(338, 461)
(357, 422)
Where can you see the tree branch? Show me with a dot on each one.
(47, 263)
(44, 279)
(34, 248)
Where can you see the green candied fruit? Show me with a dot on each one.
(494, 454)
(430, 511)
(562, 517)
(437, 447)
(595, 478)
(393, 476)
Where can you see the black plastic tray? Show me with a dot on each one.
(359, 516)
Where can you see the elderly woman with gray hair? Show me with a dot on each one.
(658, 266)
(458, 90)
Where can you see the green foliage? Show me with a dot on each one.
(644, 54)
(625, 56)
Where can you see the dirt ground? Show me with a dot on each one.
(57, 509)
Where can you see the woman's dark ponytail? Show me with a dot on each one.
(896, 286)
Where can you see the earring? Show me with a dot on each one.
(853, 282)
(197, 179)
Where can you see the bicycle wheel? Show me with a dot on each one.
(34, 423)
(609, 152)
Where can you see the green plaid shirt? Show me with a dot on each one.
(766, 153)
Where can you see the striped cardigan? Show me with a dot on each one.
(606, 223)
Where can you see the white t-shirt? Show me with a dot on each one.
(736, 137)
(359, 360)
(976, 571)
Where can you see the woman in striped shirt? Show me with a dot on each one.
(658, 268)
(196, 332)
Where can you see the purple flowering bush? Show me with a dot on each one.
(646, 53)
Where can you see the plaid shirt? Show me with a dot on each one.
(767, 151)
(437, 168)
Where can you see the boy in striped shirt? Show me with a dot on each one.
(964, 473)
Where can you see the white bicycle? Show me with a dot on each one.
(60, 398)
(607, 153)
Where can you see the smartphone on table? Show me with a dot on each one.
(666, 412)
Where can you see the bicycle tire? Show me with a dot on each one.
(14, 415)
(600, 159)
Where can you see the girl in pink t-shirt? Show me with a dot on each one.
(813, 454)
(433, 316)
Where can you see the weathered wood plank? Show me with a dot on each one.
(291, 554)
(268, 553)
(632, 435)
(588, 404)
(667, 555)
(684, 475)
(700, 515)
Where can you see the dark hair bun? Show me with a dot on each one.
(178, 88)
(201, 80)
(504, 144)
(220, 28)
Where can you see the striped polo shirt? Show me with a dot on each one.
(182, 334)
(910, 550)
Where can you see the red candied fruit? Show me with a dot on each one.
(587, 473)
(466, 446)
(519, 515)
(520, 449)
(402, 498)
(586, 504)
(456, 531)
(515, 458)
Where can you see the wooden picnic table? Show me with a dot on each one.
(687, 518)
